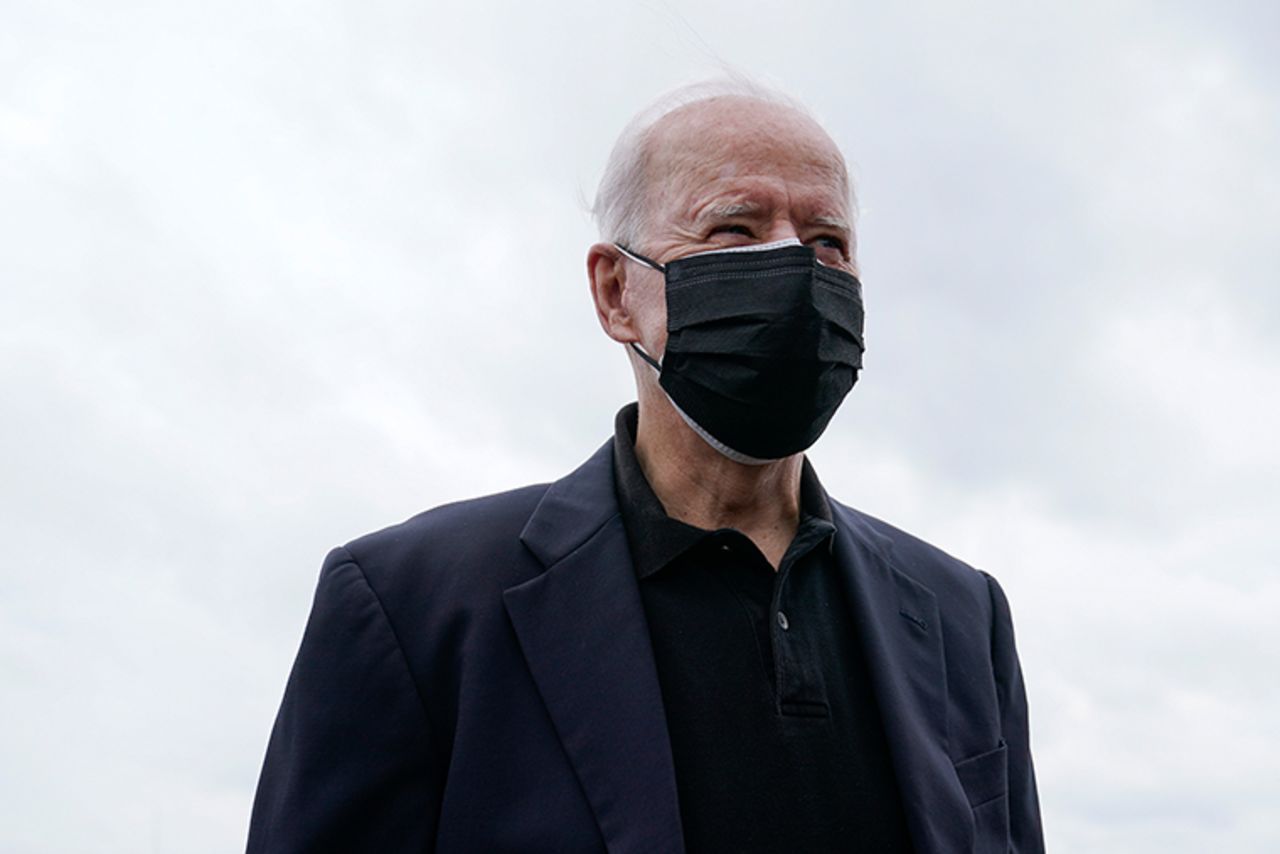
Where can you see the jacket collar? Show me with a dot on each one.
(581, 626)
(900, 630)
(582, 629)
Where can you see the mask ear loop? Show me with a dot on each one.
(653, 363)
(636, 256)
(654, 265)
(736, 456)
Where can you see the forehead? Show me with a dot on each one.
(736, 152)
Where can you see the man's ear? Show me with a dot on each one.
(607, 277)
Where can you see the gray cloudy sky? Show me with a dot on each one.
(274, 274)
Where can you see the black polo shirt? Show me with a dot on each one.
(775, 733)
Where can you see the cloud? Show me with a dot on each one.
(276, 276)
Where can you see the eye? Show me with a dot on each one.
(830, 241)
(731, 228)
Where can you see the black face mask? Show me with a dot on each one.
(762, 346)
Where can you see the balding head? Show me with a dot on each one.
(684, 137)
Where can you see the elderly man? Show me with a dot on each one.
(685, 644)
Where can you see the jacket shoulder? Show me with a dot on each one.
(955, 583)
(476, 540)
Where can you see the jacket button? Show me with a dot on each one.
(782, 621)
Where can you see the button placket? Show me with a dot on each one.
(778, 633)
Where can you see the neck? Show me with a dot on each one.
(700, 486)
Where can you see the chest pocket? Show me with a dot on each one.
(985, 779)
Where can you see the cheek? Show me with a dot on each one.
(649, 312)
(660, 312)
(657, 327)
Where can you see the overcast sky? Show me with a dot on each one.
(275, 274)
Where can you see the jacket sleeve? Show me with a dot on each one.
(1025, 833)
(348, 764)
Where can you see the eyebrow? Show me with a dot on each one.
(728, 210)
(831, 222)
(732, 209)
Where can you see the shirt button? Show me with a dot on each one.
(782, 621)
(724, 547)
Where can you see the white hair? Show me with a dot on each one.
(621, 204)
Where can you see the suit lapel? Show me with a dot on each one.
(897, 619)
(582, 629)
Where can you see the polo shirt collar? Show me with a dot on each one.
(656, 539)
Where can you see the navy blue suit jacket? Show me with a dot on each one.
(480, 679)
